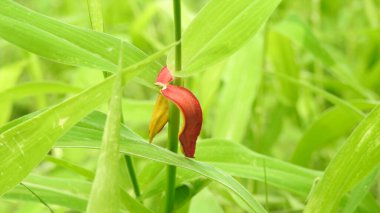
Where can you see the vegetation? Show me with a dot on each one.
(288, 91)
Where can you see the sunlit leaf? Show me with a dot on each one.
(65, 43)
(241, 82)
(358, 156)
(214, 35)
(105, 195)
(25, 145)
(136, 146)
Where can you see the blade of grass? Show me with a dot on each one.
(300, 33)
(105, 193)
(214, 35)
(359, 192)
(36, 88)
(334, 123)
(96, 14)
(133, 205)
(248, 164)
(54, 191)
(38, 197)
(330, 97)
(37, 75)
(71, 193)
(9, 75)
(241, 83)
(359, 156)
(282, 55)
(78, 47)
(87, 134)
(25, 145)
(70, 166)
(96, 17)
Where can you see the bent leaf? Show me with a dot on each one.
(88, 132)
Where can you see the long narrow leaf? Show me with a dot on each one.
(25, 145)
(213, 35)
(88, 133)
(355, 160)
(65, 43)
(105, 193)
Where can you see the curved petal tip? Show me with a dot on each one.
(192, 114)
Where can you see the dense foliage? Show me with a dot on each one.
(289, 92)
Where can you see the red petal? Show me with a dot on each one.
(192, 113)
(165, 76)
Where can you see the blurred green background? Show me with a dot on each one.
(270, 96)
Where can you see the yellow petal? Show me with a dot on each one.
(159, 118)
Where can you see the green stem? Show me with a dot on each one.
(132, 175)
(174, 112)
(38, 197)
(96, 18)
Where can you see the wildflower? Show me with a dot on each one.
(188, 105)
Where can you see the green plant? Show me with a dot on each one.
(287, 91)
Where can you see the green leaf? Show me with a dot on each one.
(137, 111)
(187, 190)
(354, 161)
(71, 194)
(330, 97)
(241, 82)
(8, 77)
(334, 124)
(105, 196)
(70, 166)
(25, 145)
(132, 204)
(219, 30)
(67, 44)
(300, 33)
(247, 164)
(88, 133)
(283, 58)
(206, 86)
(359, 192)
(36, 88)
(96, 14)
(205, 202)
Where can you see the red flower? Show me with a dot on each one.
(189, 106)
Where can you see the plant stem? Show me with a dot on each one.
(174, 112)
(132, 175)
(96, 18)
(38, 197)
